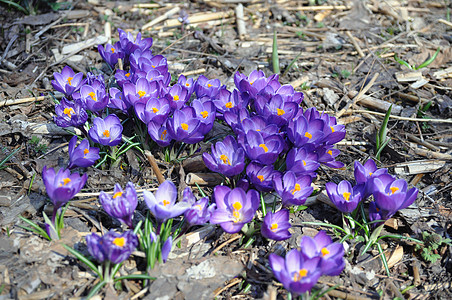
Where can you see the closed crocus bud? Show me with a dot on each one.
(345, 197)
(61, 186)
(166, 248)
(129, 44)
(234, 209)
(121, 204)
(163, 204)
(227, 157)
(199, 211)
(207, 88)
(107, 132)
(70, 113)
(67, 82)
(297, 273)
(276, 225)
(82, 156)
(93, 242)
(110, 53)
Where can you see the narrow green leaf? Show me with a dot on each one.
(264, 209)
(325, 224)
(402, 62)
(291, 64)
(83, 259)
(9, 156)
(376, 233)
(383, 259)
(95, 289)
(16, 5)
(135, 276)
(34, 228)
(368, 245)
(275, 57)
(428, 61)
(383, 132)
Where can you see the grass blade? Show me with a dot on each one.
(135, 276)
(428, 61)
(291, 65)
(382, 134)
(402, 62)
(95, 289)
(275, 57)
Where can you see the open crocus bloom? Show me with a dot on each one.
(112, 246)
(276, 225)
(344, 196)
(227, 157)
(107, 132)
(121, 204)
(82, 156)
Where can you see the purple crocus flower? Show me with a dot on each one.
(332, 254)
(122, 204)
(304, 133)
(261, 176)
(364, 172)
(130, 44)
(391, 195)
(333, 132)
(302, 162)
(227, 157)
(252, 84)
(107, 132)
(345, 197)
(276, 225)
(327, 156)
(62, 186)
(199, 211)
(82, 156)
(205, 112)
(235, 208)
(226, 101)
(207, 88)
(297, 273)
(184, 126)
(163, 204)
(70, 113)
(159, 134)
(94, 96)
(154, 109)
(67, 82)
(113, 246)
(123, 76)
(276, 110)
(141, 91)
(177, 96)
(110, 53)
(258, 123)
(234, 119)
(293, 189)
(117, 100)
(264, 150)
(188, 83)
(166, 248)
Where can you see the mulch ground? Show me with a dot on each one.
(339, 53)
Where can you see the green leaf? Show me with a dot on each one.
(402, 62)
(324, 224)
(291, 64)
(275, 57)
(95, 289)
(376, 233)
(382, 134)
(83, 259)
(135, 276)
(34, 228)
(428, 61)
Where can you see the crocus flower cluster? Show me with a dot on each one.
(301, 269)
(389, 193)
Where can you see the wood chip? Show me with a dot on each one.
(418, 167)
(409, 76)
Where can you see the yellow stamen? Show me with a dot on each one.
(176, 97)
(155, 110)
(274, 227)
(127, 74)
(209, 85)
(141, 93)
(308, 135)
(236, 215)
(225, 159)
(153, 66)
(300, 274)
(204, 114)
(106, 133)
(261, 177)
(346, 196)
(280, 112)
(66, 181)
(304, 163)
(199, 207)
(112, 50)
(393, 189)
(120, 242)
(237, 205)
(187, 84)
(68, 111)
(370, 173)
(297, 188)
(117, 194)
(86, 151)
(163, 135)
(325, 251)
(251, 83)
(229, 105)
(165, 202)
(184, 126)
(263, 146)
(332, 129)
(330, 152)
(69, 79)
(93, 96)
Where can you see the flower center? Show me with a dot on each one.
(330, 152)
(225, 159)
(251, 83)
(165, 202)
(229, 105)
(204, 114)
(263, 146)
(141, 93)
(274, 227)
(106, 133)
(86, 151)
(66, 181)
(184, 126)
(163, 135)
(370, 173)
(393, 189)
(120, 242)
(297, 276)
(155, 110)
(69, 79)
(261, 177)
(332, 129)
(346, 196)
(198, 207)
(187, 84)
(297, 188)
(176, 97)
(68, 111)
(117, 194)
(93, 96)
(209, 85)
(280, 112)
(325, 251)
(236, 212)
(127, 74)
(112, 50)
(308, 135)
(304, 163)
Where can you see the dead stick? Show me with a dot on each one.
(355, 44)
(354, 111)
(238, 235)
(154, 166)
(320, 7)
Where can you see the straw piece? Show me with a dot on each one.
(161, 18)
(355, 44)
(241, 26)
(200, 18)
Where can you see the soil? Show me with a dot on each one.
(340, 54)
